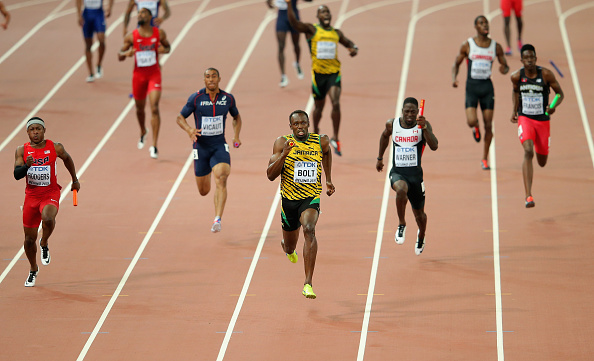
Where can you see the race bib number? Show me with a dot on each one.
(326, 50)
(39, 175)
(532, 104)
(480, 70)
(212, 125)
(92, 4)
(146, 58)
(151, 5)
(305, 172)
(405, 157)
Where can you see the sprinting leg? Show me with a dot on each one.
(101, 52)
(221, 173)
(154, 97)
(30, 247)
(308, 219)
(140, 116)
(89, 58)
(334, 94)
(488, 121)
(317, 114)
(527, 170)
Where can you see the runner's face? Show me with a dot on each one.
(299, 125)
(211, 80)
(144, 17)
(529, 60)
(324, 15)
(409, 114)
(36, 133)
(482, 26)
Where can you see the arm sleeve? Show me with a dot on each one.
(190, 106)
(20, 171)
(233, 108)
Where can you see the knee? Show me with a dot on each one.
(222, 180)
(309, 230)
(29, 241)
(421, 217)
(336, 104)
(529, 153)
(401, 193)
(203, 190)
(155, 109)
(48, 220)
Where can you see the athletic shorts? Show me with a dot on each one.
(291, 211)
(93, 22)
(480, 92)
(321, 84)
(537, 130)
(144, 82)
(282, 22)
(34, 205)
(416, 188)
(508, 5)
(207, 156)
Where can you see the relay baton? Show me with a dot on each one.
(75, 198)
(421, 109)
(553, 103)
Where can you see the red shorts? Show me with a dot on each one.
(508, 5)
(144, 82)
(34, 205)
(538, 131)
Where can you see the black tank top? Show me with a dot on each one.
(534, 96)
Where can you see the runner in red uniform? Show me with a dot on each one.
(36, 160)
(145, 44)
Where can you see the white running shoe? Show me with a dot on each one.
(99, 73)
(140, 144)
(216, 226)
(30, 281)
(400, 233)
(90, 79)
(300, 75)
(420, 246)
(154, 152)
(45, 254)
(284, 81)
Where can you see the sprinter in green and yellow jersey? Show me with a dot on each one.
(323, 40)
(299, 158)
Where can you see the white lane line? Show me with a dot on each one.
(27, 3)
(573, 70)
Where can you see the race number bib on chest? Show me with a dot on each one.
(480, 70)
(92, 4)
(212, 125)
(405, 157)
(305, 172)
(39, 175)
(151, 5)
(532, 104)
(146, 58)
(326, 50)
(281, 4)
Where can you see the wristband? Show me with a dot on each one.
(380, 158)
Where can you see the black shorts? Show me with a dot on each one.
(416, 188)
(480, 92)
(321, 84)
(291, 211)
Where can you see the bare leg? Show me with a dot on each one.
(520, 27)
(101, 39)
(527, 170)
(30, 247)
(154, 98)
(203, 184)
(89, 55)
(421, 218)
(506, 30)
(317, 114)
(471, 117)
(140, 103)
(281, 37)
(296, 47)
(48, 219)
(335, 115)
(221, 172)
(401, 188)
(309, 218)
(289, 242)
(488, 120)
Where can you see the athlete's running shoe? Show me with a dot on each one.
(284, 81)
(154, 152)
(508, 51)
(298, 70)
(292, 257)
(216, 226)
(308, 291)
(99, 73)
(336, 145)
(45, 254)
(476, 134)
(140, 144)
(30, 281)
(90, 79)
(529, 202)
(485, 165)
(420, 246)
(400, 233)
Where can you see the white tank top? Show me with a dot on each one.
(480, 60)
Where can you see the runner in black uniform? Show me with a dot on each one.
(531, 104)
(480, 51)
(409, 135)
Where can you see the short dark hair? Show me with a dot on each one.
(298, 111)
(219, 75)
(527, 47)
(478, 17)
(410, 100)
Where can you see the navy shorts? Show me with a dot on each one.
(291, 211)
(207, 156)
(94, 22)
(480, 92)
(282, 22)
(416, 188)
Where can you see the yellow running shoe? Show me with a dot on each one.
(308, 292)
(292, 257)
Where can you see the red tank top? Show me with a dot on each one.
(42, 175)
(146, 55)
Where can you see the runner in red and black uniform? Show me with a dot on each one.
(531, 104)
(36, 160)
(145, 44)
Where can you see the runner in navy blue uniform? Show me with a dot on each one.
(153, 6)
(480, 52)
(409, 135)
(210, 106)
(92, 19)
